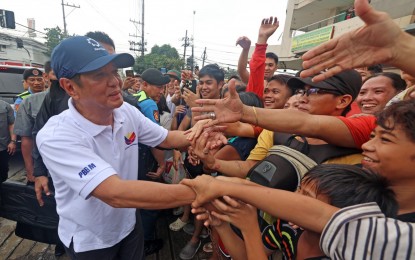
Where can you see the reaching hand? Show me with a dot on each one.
(267, 28)
(238, 213)
(41, 185)
(244, 42)
(204, 188)
(227, 110)
(201, 148)
(177, 159)
(197, 129)
(179, 109)
(128, 83)
(375, 42)
(191, 97)
(192, 157)
(11, 148)
(156, 175)
(204, 215)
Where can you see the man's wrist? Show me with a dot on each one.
(14, 141)
(247, 115)
(40, 174)
(403, 52)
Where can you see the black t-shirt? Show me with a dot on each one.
(408, 217)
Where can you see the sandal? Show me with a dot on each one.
(178, 211)
(208, 247)
(177, 225)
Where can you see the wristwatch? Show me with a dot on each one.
(13, 141)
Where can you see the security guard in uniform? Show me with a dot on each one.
(151, 90)
(34, 79)
(151, 160)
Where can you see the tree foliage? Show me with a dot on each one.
(163, 56)
(53, 37)
(230, 72)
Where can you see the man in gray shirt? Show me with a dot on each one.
(25, 120)
(7, 138)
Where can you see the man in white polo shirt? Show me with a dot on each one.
(91, 153)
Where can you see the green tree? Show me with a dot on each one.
(163, 56)
(53, 37)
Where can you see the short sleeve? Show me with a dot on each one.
(265, 142)
(150, 110)
(23, 125)
(360, 128)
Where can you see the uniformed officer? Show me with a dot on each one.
(34, 79)
(152, 89)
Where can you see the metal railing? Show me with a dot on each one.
(320, 24)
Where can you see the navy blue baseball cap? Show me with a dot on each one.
(80, 54)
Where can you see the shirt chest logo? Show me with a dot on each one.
(129, 138)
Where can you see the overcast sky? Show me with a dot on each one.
(217, 23)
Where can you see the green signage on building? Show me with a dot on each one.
(308, 40)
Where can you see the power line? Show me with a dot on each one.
(30, 28)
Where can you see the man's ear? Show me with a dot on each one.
(144, 85)
(68, 86)
(344, 101)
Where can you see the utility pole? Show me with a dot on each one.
(143, 43)
(193, 43)
(193, 57)
(65, 32)
(135, 45)
(186, 44)
(204, 58)
(139, 46)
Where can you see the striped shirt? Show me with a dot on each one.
(363, 232)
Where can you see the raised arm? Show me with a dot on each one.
(257, 64)
(245, 43)
(306, 212)
(328, 128)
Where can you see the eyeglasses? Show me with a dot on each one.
(315, 91)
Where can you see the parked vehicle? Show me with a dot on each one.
(11, 82)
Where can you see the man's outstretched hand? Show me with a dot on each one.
(373, 43)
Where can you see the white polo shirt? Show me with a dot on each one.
(80, 155)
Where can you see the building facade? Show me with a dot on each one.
(21, 51)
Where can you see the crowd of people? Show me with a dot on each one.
(313, 166)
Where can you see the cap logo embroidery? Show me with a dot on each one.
(35, 72)
(95, 44)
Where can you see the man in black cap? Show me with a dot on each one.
(29, 104)
(331, 97)
(35, 82)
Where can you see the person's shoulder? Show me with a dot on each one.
(148, 102)
(39, 95)
(62, 121)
